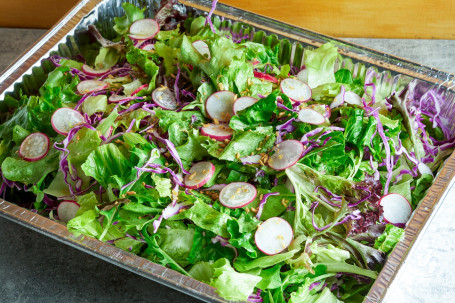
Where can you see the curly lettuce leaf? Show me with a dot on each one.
(230, 284)
(391, 236)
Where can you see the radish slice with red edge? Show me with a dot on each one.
(94, 72)
(164, 98)
(65, 118)
(137, 90)
(286, 154)
(220, 105)
(424, 169)
(310, 116)
(148, 47)
(67, 210)
(237, 194)
(202, 48)
(265, 77)
(296, 90)
(144, 29)
(273, 236)
(397, 209)
(219, 132)
(200, 174)
(242, 103)
(303, 75)
(254, 159)
(353, 99)
(90, 86)
(35, 147)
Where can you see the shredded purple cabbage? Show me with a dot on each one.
(208, 19)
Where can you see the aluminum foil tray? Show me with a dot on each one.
(68, 38)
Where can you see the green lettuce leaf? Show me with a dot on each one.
(320, 64)
(230, 284)
(391, 236)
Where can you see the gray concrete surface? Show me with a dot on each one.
(34, 268)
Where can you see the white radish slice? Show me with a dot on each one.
(286, 154)
(303, 75)
(118, 98)
(145, 86)
(254, 159)
(202, 48)
(237, 194)
(349, 97)
(220, 105)
(94, 72)
(219, 132)
(296, 90)
(144, 29)
(273, 236)
(164, 98)
(64, 119)
(353, 98)
(200, 174)
(265, 77)
(397, 209)
(310, 116)
(89, 86)
(148, 47)
(35, 147)
(67, 210)
(242, 103)
(424, 169)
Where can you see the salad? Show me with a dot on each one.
(190, 145)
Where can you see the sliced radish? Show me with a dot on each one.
(303, 75)
(148, 47)
(94, 72)
(89, 86)
(255, 62)
(296, 90)
(118, 98)
(145, 86)
(424, 169)
(273, 236)
(35, 147)
(310, 116)
(265, 77)
(65, 118)
(220, 105)
(219, 132)
(287, 153)
(200, 173)
(144, 29)
(242, 103)
(67, 210)
(397, 209)
(164, 98)
(251, 159)
(353, 98)
(322, 109)
(202, 48)
(237, 194)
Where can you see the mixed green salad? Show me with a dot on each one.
(190, 145)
